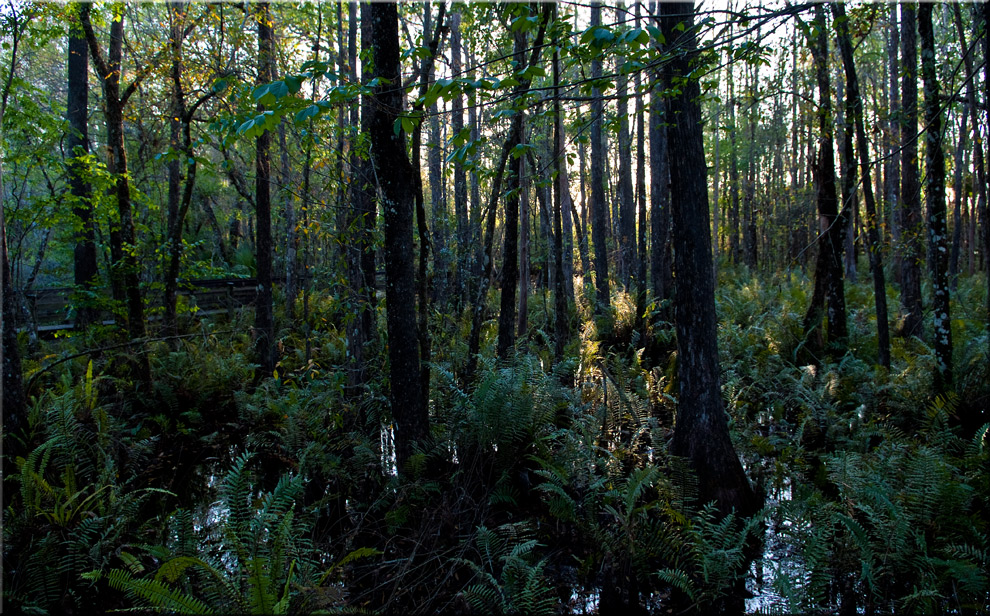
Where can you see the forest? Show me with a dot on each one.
(479, 308)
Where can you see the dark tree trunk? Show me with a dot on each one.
(561, 195)
(126, 267)
(893, 205)
(958, 164)
(626, 197)
(701, 433)
(660, 258)
(486, 256)
(510, 249)
(847, 164)
(461, 222)
(357, 334)
(264, 319)
(85, 268)
(911, 225)
(828, 296)
(522, 314)
(12, 383)
(641, 255)
(365, 202)
(425, 243)
(394, 173)
(854, 105)
(935, 198)
(125, 276)
(599, 211)
(14, 401)
(733, 174)
(985, 203)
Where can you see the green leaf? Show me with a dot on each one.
(408, 124)
(219, 86)
(293, 83)
(310, 112)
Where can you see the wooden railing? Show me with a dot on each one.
(50, 309)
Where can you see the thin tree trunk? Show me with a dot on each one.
(462, 222)
(599, 211)
(910, 204)
(935, 198)
(264, 320)
(733, 173)
(561, 195)
(855, 106)
(893, 206)
(626, 197)
(524, 215)
(510, 249)
(828, 296)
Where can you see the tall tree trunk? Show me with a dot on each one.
(524, 214)
(123, 250)
(935, 198)
(641, 254)
(893, 201)
(847, 164)
(854, 105)
(985, 204)
(910, 203)
(701, 433)
(124, 254)
(660, 244)
(958, 164)
(85, 268)
(828, 296)
(749, 197)
(12, 384)
(462, 222)
(510, 250)
(599, 211)
(425, 243)
(561, 195)
(264, 319)
(626, 197)
(733, 173)
(394, 173)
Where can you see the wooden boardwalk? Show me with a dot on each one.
(51, 308)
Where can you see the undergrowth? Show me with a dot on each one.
(546, 486)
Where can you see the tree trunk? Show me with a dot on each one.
(893, 205)
(599, 213)
(264, 320)
(394, 173)
(910, 204)
(85, 268)
(828, 296)
(847, 164)
(510, 250)
(462, 222)
(733, 174)
(562, 293)
(660, 258)
(123, 250)
(855, 106)
(641, 254)
(626, 197)
(522, 313)
(935, 198)
(701, 433)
